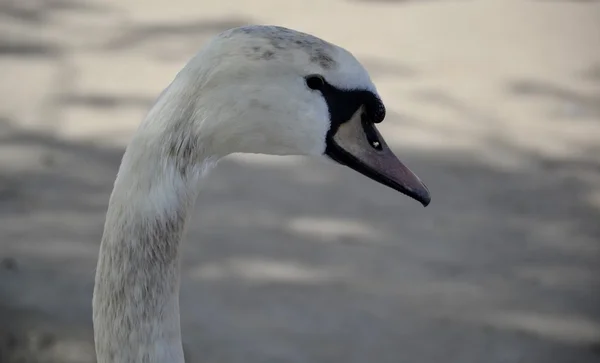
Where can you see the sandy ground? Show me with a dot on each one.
(495, 104)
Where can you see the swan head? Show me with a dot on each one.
(273, 90)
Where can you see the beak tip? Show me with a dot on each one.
(424, 198)
(422, 195)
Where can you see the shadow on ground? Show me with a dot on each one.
(296, 260)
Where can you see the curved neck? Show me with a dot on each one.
(136, 293)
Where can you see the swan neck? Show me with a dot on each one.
(136, 294)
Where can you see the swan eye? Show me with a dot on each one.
(315, 82)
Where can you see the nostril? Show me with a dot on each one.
(370, 133)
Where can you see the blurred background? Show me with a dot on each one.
(494, 104)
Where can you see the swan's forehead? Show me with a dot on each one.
(299, 52)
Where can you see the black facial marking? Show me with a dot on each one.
(343, 104)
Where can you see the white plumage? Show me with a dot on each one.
(247, 91)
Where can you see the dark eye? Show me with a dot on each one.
(315, 82)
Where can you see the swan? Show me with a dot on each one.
(252, 89)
